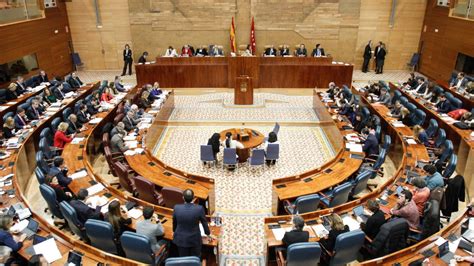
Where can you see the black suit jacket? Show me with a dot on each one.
(330, 242)
(270, 51)
(300, 52)
(186, 219)
(32, 114)
(127, 55)
(142, 59)
(129, 123)
(201, 51)
(75, 82)
(380, 53)
(8, 133)
(10, 95)
(85, 212)
(82, 117)
(372, 226)
(73, 127)
(315, 52)
(19, 90)
(367, 52)
(285, 51)
(295, 236)
(91, 109)
(40, 79)
(63, 180)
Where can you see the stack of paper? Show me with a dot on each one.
(49, 249)
(129, 153)
(135, 213)
(354, 147)
(144, 126)
(129, 138)
(95, 121)
(411, 141)
(320, 230)
(95, 189)
(131, 144)
(279, 233)
(95, 201)
(398, 124)
(77, 140)
(351, 222)
(79, 174)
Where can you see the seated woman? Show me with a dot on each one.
(48, 96)
(144, 102)
(116, 218)
(60, 137)
(420, 135)
(13, 240)
(215, 142)
(9, 128)
(106, 95)
(337, 228)
(272, 139)
(421, 193)
(61, 192)
(155, 91)
(405, 117)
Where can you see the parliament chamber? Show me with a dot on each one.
(339, 133)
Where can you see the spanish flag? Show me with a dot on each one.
(232, 37)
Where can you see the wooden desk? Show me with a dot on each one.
(17, 102)
(266, 72)
(463, 144)
(252, 142)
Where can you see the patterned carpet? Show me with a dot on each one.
(270, 107)
(244, 196)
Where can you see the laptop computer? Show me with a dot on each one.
(38, 239)
(444, 252)
(399, 190)
(31, 229)
(359, 212)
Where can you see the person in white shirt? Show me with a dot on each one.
(232, 143)
(171, 52)
(459, 84)
(272, 139)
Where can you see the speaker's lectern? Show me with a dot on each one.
(243, 91)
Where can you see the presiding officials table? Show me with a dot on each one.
(250, 138)
(265, 72)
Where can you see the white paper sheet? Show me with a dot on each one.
(49, 249)
(95, 121)
(279, 233)
(354, 147)
(95, 189)
(440, 241)
(351, 222)
(411, 141)
(79, 174)
(77, 140)
(135, 213)
(320, 230)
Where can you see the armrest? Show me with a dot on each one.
(368, 239)
(415, 230)
(280, 258)
(161, 254)
(369, 160)
(330, 253)
(287, 203)
(324, 195)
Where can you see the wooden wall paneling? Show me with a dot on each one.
(38, 36)
(440, 49)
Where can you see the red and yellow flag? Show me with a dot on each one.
(232, 37)
(253, 42)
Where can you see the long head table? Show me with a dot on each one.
(266, 72)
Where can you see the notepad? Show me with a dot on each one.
(49, 249)
(129, 138)
(411, 141)
(131, 144)
(77, 140)
(95, 121)
(351, 222)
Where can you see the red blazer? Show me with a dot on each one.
(188, 52)
(106, 97)
(60, 139)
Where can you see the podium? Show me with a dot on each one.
(243, 91)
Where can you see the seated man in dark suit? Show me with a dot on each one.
(60, 172)
(296, 235)
(74, 81)
(285, 51)
(20, 119)
(10, 93)
(371, 144)
(186, 220)
(129, 121)
(20, 85)
(93, 106)
(317, 52)
(58, 91)
(82, 115)
(270, 51)
(84, 212)
(301, 51)
(376, 219)
(74, 125)
(142, 59)
(34, 112)
(201, 51)
(443, 106)
(42, 77)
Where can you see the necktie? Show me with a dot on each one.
(22, 120)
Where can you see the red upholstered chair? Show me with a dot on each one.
(172, 196)
(125, 176)
(146, 191)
